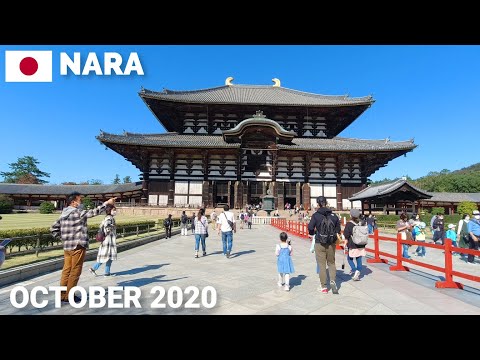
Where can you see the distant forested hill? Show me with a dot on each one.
(463, 180)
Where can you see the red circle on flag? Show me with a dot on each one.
(28, 66)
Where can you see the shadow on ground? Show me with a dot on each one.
(141, 269)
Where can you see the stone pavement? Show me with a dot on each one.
(246, 283)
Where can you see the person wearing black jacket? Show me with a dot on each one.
(324, 253)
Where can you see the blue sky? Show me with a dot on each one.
(429, 93)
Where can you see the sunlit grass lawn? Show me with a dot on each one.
(36, 220)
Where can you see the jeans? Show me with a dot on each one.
(421, 250)
(405, 251)
(107, 266)
(352, 265)
(198, 238)
(370, 228)
(227, 240)
(168, 231)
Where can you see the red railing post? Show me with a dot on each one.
(448, 283)
(399, 266)
(376, 249)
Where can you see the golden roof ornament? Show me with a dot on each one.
(228, 81)
(276, 82)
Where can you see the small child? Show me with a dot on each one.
(419, 231)
(284, 262)
(452, 235)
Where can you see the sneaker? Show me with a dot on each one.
(356, 276)
(204, 253)
(91, 272)
(323, 290)
(333, 285)
(196, 255)
(351, 273)
(286, 288)
(228, 255)
(280, 284)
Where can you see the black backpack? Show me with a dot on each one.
(326, 234)
(166, 222)
(184, 219)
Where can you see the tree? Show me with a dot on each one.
(127, 179)
(95, 182)
(47, 207)
(27, 179)
(466, 207)
(6, 204)
(117, 179)
(69, 183)
(25, 169)
(88, 203)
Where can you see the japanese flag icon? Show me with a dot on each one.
(28, 66)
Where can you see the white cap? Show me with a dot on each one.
(451, 226)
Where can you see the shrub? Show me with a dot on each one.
(47, 207)
(438, 210)
(6, 204)
(466, 207)
(88, 203)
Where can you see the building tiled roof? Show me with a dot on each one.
(454, 197)
(33, 189)
(173, 139)
(255, 95)
(384, 189)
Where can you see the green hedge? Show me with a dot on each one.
(29, 238)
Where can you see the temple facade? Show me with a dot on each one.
(234, 144)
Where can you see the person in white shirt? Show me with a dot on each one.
(226, 224)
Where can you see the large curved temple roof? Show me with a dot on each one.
(255, 95)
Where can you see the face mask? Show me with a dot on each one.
(467, 218)
(114, 213)
(80, 207)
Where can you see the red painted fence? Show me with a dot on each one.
(300, 229)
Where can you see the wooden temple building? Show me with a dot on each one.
(234, 144)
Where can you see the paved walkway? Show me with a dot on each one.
(247, 283)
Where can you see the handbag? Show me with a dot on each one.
(100, 233)
(206, 229)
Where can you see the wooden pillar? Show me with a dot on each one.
(206, 194)
(144, 198)
(306, 196)
(230, 195)
(171, 192)
(298, 193)
(340, 196)
(280, 200)
(238, 194)
(245, 193)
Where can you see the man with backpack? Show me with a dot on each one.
(324, 227)
(167, 223)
